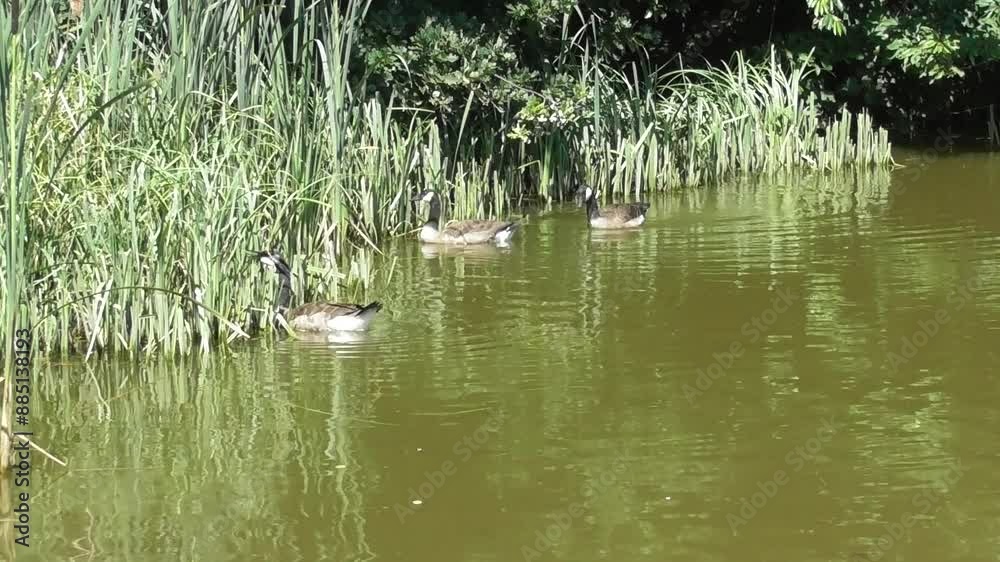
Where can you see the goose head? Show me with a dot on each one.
(585, 192)
(425, 196)
(274, 261)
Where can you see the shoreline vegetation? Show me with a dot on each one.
(145, 152)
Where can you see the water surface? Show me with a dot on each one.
(783, 370)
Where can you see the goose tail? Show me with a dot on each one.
(368, 311)
(505, 232)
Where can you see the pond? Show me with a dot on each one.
(795, 369)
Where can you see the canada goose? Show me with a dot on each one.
(460, 232)
(316, 316)
(629, 215)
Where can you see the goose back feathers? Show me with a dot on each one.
(326, 316)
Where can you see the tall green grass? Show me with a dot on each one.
(215, 147)
(993, 126)
(145, 154)
(16, 189)
(688, 127)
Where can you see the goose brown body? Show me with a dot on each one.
(318, 316)
(473, 231)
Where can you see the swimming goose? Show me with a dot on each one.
(316, 316)
(461, 232)
(629, 215)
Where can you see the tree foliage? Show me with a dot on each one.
(933, 40)
(900, 58)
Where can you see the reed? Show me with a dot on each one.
(140, 242)
(993, 126)
(146, 153)
(652, 130)
(16, 188)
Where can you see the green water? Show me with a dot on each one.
(557, 387)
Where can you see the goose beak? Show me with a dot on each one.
(269, 259)
(274, 261)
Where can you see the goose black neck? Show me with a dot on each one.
(592, 206)
(284, 296)
(434, 216)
